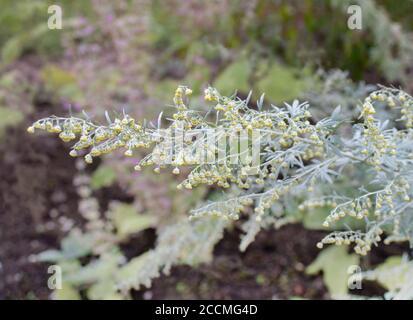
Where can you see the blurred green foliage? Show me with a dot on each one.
(9, 117)
(127, 222)
(24, 27)
(62, 83)
(334, 262)
(103, 176)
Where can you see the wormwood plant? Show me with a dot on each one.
(358, 167)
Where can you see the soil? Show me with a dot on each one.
(36, 195)
(271, 268)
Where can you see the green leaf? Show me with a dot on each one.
(280, 84)
(50, 256)
(77, 245)
(234, 77)
(56, 77)
(70, 265)
(104, 176)
(128, 221)
(9, 117)
(62, 82)
(104, 289)
(393, 273)
(164, 89)
(12, 49)
(102, 268)
(334, 262)
(128, 271)
(67, 292)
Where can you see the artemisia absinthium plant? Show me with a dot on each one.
(300, 162)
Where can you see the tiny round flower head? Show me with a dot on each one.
(39, 125)
(157, 170)
(128, 153)
(176, 171)
(30, 129)
(88, 158)
(138, 167)
(73, 153)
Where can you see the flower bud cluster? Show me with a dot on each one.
(98, 140)
(227, 209)
(376, 145)
(396, 99)
(363, 241)
(314, 204)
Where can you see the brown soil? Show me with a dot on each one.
(271, 268)
(35, 183)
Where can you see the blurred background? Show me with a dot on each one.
(131, 55)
